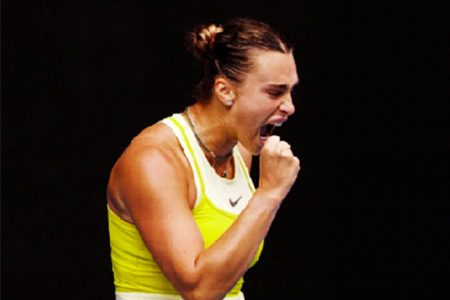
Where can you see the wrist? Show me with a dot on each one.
(267, 198)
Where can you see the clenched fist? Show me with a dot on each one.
(278, 169)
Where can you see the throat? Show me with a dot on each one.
(223, 167)
(220, 160)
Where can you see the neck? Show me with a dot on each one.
(212, 130)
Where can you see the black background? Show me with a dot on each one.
(368, 217)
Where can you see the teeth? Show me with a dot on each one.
(277, 124)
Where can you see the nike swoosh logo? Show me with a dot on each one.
(235, 202)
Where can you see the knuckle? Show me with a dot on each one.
(285, 144)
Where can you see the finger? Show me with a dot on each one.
(297, 162)
(283, 145)
(273, 139)
(286, 153)
(271, 142)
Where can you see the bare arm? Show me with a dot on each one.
(155, 192)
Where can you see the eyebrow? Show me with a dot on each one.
(281, 86)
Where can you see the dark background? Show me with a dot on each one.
(368, 217)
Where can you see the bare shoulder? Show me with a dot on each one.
(155, 144)
(152, 162)
(156, 138)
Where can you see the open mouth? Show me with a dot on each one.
(267, 130)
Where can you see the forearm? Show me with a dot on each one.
(219, 267)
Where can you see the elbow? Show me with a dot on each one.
(201, 283)
(200, 292)
(204, 295)
(197, 289)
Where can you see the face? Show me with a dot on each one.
(263, 99)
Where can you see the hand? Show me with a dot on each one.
(278, 169)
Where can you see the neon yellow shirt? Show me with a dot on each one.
(218, 204)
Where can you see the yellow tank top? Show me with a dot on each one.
(218, 204)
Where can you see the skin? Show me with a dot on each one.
(160, 203)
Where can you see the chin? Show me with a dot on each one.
(254, 144)
(256, 151)
(257, 146)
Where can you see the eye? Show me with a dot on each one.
(275, 93)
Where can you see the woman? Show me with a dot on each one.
(185, 219)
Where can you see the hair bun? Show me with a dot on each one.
(201, 41)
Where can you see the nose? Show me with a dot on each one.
(287, 106)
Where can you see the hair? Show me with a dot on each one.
(224, 50)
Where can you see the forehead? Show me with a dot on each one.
(271, 67)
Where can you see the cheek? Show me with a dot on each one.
(250, 116)
(253, 108)
(255, 104)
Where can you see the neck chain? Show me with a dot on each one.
(209, 152)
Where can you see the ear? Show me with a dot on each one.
(224, 91)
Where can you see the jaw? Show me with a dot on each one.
(252, 143)
(255, 142)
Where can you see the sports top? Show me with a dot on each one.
(219, 202)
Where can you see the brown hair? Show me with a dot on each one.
(224, 49)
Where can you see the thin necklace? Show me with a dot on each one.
(211, 153)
